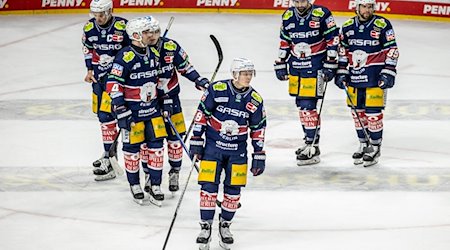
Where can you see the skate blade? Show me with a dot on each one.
(311, 161)
(105, 177)
(358, 161)
(154, 201)
(203, 246)
(142, 202)
(115, 165)
(370, 163)
(224, 245)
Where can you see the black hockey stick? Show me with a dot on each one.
(220, 55)
(369, 148)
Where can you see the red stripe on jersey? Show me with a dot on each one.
(284, 44)
(173, 82)
(110, 87)
(257, 135)
(95, 57)
(320, 46)
(132, 93)
(217, 125)
(200, 118)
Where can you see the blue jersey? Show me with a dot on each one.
(173, 59)
(367, 49)
(227, 115)
(306, 41)
(133, 82)
(100, 45)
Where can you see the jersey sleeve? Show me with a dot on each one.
(116, 81)
(88, 47)
(389, 46)
(204, 111)
(257, 121)
(331, 35)
(343, 48)
(182, 63)
(285, 39)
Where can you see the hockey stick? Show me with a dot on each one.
(313, 149)
(179, 202)
(369, 145)
(112, 152)
(220, 55)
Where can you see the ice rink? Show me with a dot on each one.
(49, 138)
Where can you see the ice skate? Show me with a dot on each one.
(105, 171)
(225, 236)
(308, 156)
(204, 238)
(173, 180)
(156, 195)
(371, 158)
(138, 195)
(300, 149)
(358, 155)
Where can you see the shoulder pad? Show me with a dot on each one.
(380, 23)
(120, 25)
(220, 86)
(170, 45)
(288, 14)
(88, 26)
(348, 23)
(256, 96)
(128, 56)
(318, 12)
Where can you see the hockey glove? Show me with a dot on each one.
(328, 74)
(167, 107)
(201, 83)
(124, 117)
(387, 78)
(342, 78)
(281, 70)
(196, 147)
(258, 163)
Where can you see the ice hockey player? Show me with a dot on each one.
(227, 112)
(307, 58)
(104, 35)
(133, 87)
(173, 58)
(367, 67)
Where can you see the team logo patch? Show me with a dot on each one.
(168, 59)
(251, 107)
(170, 46)
(375, 34)
(117, 69)
(330, 22)
(390, 35)
(318, 12)
(117, 38)
(314, 25)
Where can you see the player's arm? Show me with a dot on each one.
(331, 35)
(280, 66)
(257, 125)
(342, 73)
(389, 72)
(88, 51)
(186, 69)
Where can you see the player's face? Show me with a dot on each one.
(147, 37)
(366, 11)
(301, 5)
(154, 36)
(100, 17)
(244, 79)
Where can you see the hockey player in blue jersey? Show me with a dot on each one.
(104, 35)
(133, 87)
(307, 58)
(227, 112)
(367, 68)
(173, 59)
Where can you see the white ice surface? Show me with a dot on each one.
(49, 200)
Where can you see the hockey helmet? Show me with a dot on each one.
(98, 6)
(141, 24)
(359, 2)
(241, 64)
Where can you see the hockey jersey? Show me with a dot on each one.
(226, 115)
(367, 48)
(100, 45)
(306, 40)
(133, 82)
(173, 59)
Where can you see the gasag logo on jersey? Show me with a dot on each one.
(379, 6)
(362, 42)
(3, 4)
(146, 74)
(307, 34)
(140, 2)
(232, 112)
(208, 3)
(62, 3)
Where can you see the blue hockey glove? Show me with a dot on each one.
(281, 70)
(328, 74)
(342, 78)
(196, 147)
(167, 107)
(387, 79)
(258, 163)
(202, 83)
(124, 117)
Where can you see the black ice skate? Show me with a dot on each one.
(204, 238)
(104, 171)
(358, 155)
(173, 180)
(309, 155)
(371, 158)
(138, 195)
(225, 235)
(156, 195)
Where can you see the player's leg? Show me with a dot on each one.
(360, 121)
(309, 118)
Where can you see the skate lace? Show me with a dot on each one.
(206, 230)
(225, 229)
(156, 189)
(173, 178)
(136, 189)
(309, 151)
(104, 164)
